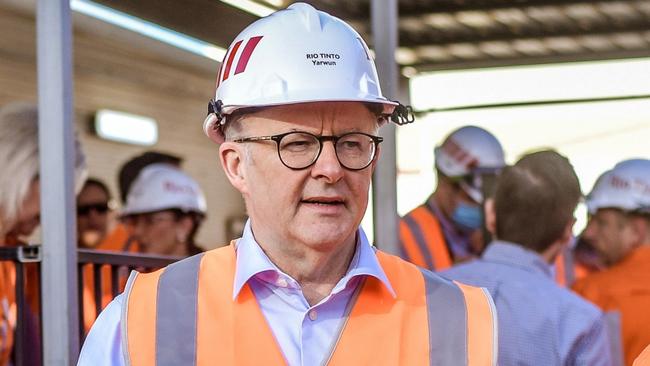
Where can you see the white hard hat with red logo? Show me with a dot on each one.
(296, 55)
(470, 152)
(626, 187)
(164, 187)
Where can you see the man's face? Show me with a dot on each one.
(92, 215)
(611, 234)
(320, 206)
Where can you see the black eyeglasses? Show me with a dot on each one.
(300, 150)
(100, 208)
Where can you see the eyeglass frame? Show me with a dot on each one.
(376, 140)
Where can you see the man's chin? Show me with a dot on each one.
(327, 236)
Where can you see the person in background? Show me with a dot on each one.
(165, 208)
(19, 217)
(296, 112)
(121, 237)
(619, 229)
(94, 223)
(446, 229)
(531, 220)
(93, 214)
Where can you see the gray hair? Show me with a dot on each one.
(19, 159)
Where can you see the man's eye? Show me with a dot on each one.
(351, 145)
(298, 145)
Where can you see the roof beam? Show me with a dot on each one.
(450, 6)
(529, 60)
(443, 39)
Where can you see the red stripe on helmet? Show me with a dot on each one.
(231, 58)
(246, 54)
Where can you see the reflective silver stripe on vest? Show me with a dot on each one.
(569, 269)
(447, 314)
(176, 313)
(419, 239)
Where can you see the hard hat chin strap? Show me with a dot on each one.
(403, 114)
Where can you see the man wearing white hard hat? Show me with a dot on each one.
(297, 111)
(446, 229)
(164, 209)
(619, 229)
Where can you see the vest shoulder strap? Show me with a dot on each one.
(169, 312)
(422, 240)
(461, 319)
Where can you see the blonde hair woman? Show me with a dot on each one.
(19, 214)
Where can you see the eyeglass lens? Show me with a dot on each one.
(299, 150)
(97, 207)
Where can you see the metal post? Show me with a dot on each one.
(384, 30)
(56, 143)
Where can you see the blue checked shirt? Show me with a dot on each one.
(540, 323)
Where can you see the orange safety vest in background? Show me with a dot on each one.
(114, 241)
(7, 310)
(184, 314)
(422, 241)
(624, 287)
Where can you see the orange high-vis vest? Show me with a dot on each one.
(184, 314)
(644, 358)
(422, 241)
(115, 241)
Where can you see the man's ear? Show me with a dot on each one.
(232, 156)
(490, 216)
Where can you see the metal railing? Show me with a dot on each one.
(120, 264)
(28, 346)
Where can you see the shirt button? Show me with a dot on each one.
(313, 314)
(282, 283)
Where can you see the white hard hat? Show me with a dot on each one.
(162, 187)
(296, 55)
(626, 187)
(470, 151)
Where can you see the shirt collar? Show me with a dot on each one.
(514, 254)
(251, 261)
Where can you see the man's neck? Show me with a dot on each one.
(317, 271)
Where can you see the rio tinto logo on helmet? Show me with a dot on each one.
(459, 154)
(172, 187)
(244, 57)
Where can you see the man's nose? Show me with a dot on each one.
(327, 165)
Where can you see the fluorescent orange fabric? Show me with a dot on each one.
(114, 241)
(436, 246)
(90, 311)
(141, 320)
(480, 345)
(236, 332)
(624, 287)
(560, 271)
(644, 358)
(7, 310)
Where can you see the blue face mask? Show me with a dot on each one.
(467, 217)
